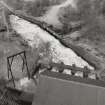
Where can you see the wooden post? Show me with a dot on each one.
(86, 72)
(73, 71)
(60, 68)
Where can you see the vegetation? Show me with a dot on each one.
(35, 8)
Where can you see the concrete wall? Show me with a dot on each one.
(59, 91)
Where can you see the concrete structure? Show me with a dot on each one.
(62, 89)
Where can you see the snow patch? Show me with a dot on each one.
(30, 32)
(27, 85)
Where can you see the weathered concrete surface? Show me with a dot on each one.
(62, 89)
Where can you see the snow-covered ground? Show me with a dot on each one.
(34, 35)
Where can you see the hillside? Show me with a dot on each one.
(79, 22)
